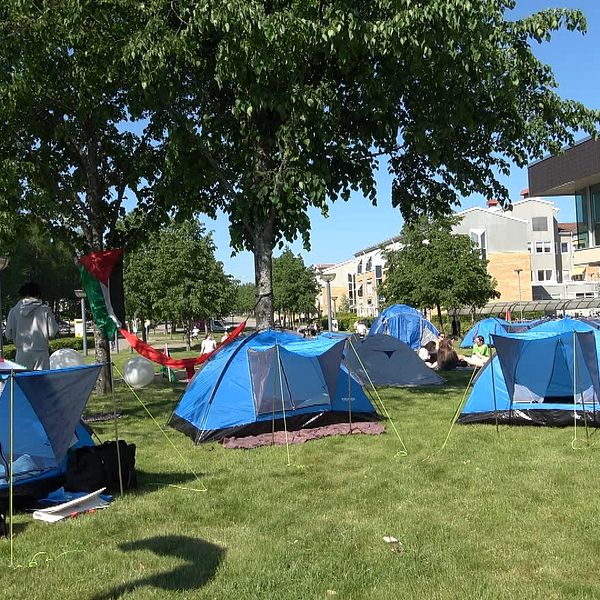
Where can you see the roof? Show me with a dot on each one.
(498, 308)
(568, 227)
(378, 246)
(487, 211)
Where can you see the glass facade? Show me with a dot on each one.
(581, 210)
(595, 201)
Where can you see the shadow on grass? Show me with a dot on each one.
(202, 560)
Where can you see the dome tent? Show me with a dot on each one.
(270, 379)
(406, 324)
(387, 361)
(538, 378)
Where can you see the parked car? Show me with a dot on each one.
(212, 325)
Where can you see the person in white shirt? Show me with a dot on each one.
(31, 324)
(208, 344)
(362, 329)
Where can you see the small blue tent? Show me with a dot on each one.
(47, 407)
(270, 379)
(485, 327)
(538, 378)
(406, 324)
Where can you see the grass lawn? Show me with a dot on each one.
(508, 515)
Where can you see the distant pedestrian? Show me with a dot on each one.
(361, 329)
(30, 325)
(208, 344)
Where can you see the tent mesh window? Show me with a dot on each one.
(299, 378)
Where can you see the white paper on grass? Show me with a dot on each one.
(56, 513)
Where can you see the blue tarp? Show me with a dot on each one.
(265, 378)
(406, 324)
(47, 408)
(538, 377)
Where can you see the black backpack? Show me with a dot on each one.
(93, 467)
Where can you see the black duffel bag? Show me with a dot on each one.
(93, 467)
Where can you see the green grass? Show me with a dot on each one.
(513, 514)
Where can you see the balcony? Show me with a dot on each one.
(587, 256)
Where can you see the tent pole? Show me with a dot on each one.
(11, 462)
(114, 401)
(494, 393)
(285, 429)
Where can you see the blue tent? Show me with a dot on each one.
(485, 327)
(492, 325)
(538, 378)
(270, 379)
(406, 324)
(564, 325)
(47, 407)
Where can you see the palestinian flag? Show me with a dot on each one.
(102, 279)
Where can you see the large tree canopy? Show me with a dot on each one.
(264, 108)
(290, 103)
(436, 268)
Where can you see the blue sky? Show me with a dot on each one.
(353, 225)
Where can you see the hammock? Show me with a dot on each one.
(161, 358)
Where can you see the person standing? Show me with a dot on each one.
(208, 344)
(30, 324)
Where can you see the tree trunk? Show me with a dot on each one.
(188, 341)
(102, 355)
(263, 274)
(439, 313)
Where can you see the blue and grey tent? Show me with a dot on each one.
(494, 326)
(386, 361)
(47, 407)
(538, 378)
(564, 325)
(406, 324)
(270, 379)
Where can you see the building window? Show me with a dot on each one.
(596, 217)
(359, 266)
(351, 289)
(583, 236)
(544, 275)
(564, 247)
(529, 249)
(478, 238)
(359, 291)
(539, 224)
(378, 275)
(547, 247)
(539, 247)
(369, 265)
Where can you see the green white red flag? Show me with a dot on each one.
(102, 279)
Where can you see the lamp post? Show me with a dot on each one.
(328, 278)
(82, 295)
(518, 272)
(4, 260)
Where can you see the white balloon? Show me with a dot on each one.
(66, 357)
(138, 372)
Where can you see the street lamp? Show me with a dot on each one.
(4, 260)
(518, 272)
(82, 295)
(328, 278)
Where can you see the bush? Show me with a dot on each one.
(56, 344)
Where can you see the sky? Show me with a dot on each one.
(354, 225)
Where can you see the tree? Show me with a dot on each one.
(72, 137)
(175, 276)
(435, 268)
(286, 105)
(245, 298)
(294, 285)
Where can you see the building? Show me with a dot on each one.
(342, 286)
(575, 172)
(503, 240)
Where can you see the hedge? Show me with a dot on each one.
(56, 344)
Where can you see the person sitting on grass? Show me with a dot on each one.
(480, 353)
(428, 354)
(447, 358)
